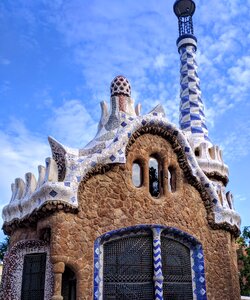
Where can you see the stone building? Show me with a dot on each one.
(141, 212)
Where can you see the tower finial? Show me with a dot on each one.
(192, 116)
(184, 10)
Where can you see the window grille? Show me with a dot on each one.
(128, 269)
(128, 272)
(33, 279)
(176, 268)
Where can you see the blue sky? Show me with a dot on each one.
(57, 59)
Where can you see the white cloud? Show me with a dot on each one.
(4, 61)
(71, 124)
(240, 198)
(236, 144)
(21, 152)
(160, 61)
(4, 86)
(240, 75)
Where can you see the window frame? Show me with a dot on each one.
(29, 274)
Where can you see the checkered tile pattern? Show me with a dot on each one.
(158, 276)
(192, 117)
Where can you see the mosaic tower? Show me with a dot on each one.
(192, 116)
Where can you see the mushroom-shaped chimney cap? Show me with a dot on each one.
(120, 86)
(184, 8)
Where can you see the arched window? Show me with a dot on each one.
(148, 262)
(171, 179)
(137, 174)
(154, 182)
(68, 284)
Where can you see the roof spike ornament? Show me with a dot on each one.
(192, 117)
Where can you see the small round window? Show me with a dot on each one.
(137, 174)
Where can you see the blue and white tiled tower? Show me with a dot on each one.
(192, 116)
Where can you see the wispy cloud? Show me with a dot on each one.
(236, 144)
(72, 124)
(4, 86)
(21, 152)
(222, 39)
(240, 198)
(4, 61)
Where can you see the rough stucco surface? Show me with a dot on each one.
(110, 201)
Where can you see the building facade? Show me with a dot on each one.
(141, 212)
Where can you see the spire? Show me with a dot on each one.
(192, 117)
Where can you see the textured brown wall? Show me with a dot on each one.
(110, 201)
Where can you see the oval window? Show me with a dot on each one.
(136, 174)
(154, 185)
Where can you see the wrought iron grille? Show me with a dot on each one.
(176, 268)
(33, 276)
(185, 25)
(128, 269)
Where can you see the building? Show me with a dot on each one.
(141, 212)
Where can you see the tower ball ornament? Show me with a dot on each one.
(120, 86)
(184, 8)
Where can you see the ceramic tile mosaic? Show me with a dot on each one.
(158, 275)
(192, 116)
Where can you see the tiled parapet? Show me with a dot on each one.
(29, 196)
(211, 162)
(222, 211)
